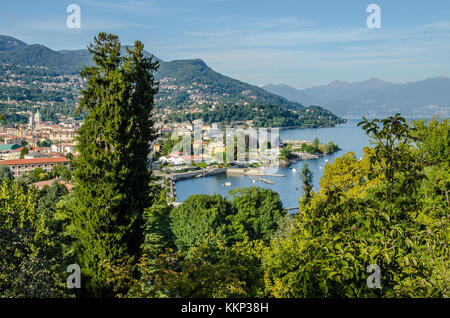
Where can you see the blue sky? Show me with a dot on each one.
(297, 42)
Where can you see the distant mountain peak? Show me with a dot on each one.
(10, 43)
(338, 82)
(375, 80)
(198, 62)
(374, 97)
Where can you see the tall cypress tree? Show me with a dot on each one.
(307, 180)
(112, 178)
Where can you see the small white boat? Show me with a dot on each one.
(294, 170)
(326, 160)
(227, 184)
(254, 181)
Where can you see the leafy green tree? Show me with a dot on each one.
(330, 147)
(168, 145)
(433, 143)
(392, 152)
(30, 263)
(316, 143)
(61, 172)
(198, 216)
(235, 271)
(258, 213)
(350, 174)
(23, 152)
(46, 143)
(46, 208)
(158, 237)
(285, 154)
(308, 148)
(112, 178)
(339, 235)
(5, 173)
(39, 174)
(435, 190)
(69, 157)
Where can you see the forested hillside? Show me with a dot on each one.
(33, 75)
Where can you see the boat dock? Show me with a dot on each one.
(216, 171)
(265, 180)
(253, 172)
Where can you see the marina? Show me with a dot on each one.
(286, 180)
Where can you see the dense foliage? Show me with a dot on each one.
(198, 216)
(31, 259)
(251, 213)
(112, 179)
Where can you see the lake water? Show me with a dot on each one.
(348, 137)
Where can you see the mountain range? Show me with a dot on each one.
(374, 97)
(209, 85)
(34, 76)
(188, 82)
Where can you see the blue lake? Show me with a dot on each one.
(348, 137)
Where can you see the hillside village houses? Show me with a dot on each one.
(47, 144)
(210, 147)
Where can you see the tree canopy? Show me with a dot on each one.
(112, 178)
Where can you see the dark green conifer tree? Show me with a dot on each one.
(307, 180)
(111, 176)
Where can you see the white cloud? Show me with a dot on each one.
(135, 7)
(260, 54)
(437, 26)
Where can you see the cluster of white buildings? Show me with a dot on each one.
(208, 143)
(39, 132)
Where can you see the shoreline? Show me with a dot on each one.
(216, 171)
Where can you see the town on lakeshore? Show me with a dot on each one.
(181, 150)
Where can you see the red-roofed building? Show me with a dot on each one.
(23, 166)
(40, 185)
